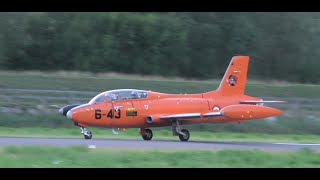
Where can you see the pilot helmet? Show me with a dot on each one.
(134, 94)
(114, 96)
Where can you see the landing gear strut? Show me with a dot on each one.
(86, 134)
(146, 134)
(183, 134)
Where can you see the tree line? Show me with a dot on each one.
(282, 46)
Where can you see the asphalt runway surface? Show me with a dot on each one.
(141, 144)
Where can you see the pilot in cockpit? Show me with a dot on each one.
(135, 95)
(144, 95)
(113, 96)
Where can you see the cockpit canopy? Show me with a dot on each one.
(119, 94)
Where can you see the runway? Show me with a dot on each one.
(156, 145)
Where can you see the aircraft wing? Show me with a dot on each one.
(239, 111)
(213, 114)
(190, 116)
(184, 116)
(255, 102)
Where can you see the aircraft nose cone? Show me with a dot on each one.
(61, 111)
(69, 115)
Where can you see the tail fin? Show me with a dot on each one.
(235, 78)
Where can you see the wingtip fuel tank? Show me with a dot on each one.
(244, 112)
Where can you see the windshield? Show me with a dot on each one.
(121, 94)
(98, 98)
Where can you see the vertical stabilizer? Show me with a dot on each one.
(235, 78)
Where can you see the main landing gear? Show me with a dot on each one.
(146, 134)
(86, 134)
(183, 134)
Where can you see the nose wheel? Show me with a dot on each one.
(86, 134)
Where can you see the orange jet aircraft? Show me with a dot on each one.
(132, 108)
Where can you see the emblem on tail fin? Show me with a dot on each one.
(232, 80)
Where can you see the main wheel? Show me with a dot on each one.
(148, 135)
(184, 137)
(88, 136)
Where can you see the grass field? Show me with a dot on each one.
(78, 81)
(53, 157)
(160, 134)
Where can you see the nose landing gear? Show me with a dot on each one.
(87, 134)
